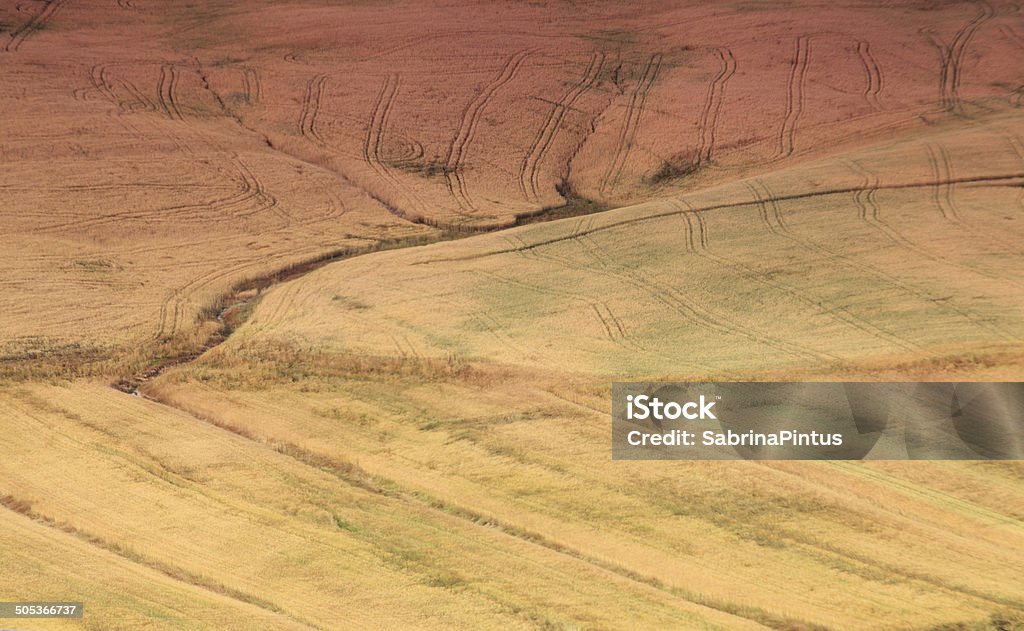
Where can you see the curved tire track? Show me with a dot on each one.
(869, 212)
(101, 81)
(795, 89)
(952, 57)
(708, 123)
(310, 110)
(631, 124)
(875, 81)
(705, 317)
(836, 313)
(767, 206)
(942, 194)
(1002, 179)
(252, 85)
(530, 167)
(700, 315)
(455, 160)
(166, 89)
(373, 149)
(35, 23)
(248, 198)
(99, 76)
(838, 258)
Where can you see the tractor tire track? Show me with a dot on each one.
(497, 331)
(943, 197)
(691, 246)
(166, 90)
(614, 331)
(867, 208)
(1010, 179)
(753, 274)
(253, 86)
(952, 57)
(762, 209)
(696, 241)
(767, 207)
(707, 318)
(530, 167)
(615, 321)
(455, 160)
(957, 52)
(34, 24)
(603, 321)
(409, 151)
(795, 97)
(172, 306)
(874, 75)
(378, 121)
(249, 198)
(834, 257)
(253, 197)
(100, 80)
(942, 194)
(708, 123)
(310, 110)
(144, 103)
(631, 124)
(868, 212)
(704, 240)
(1017, 145)
(373, 149)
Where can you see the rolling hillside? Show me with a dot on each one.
(309, 310)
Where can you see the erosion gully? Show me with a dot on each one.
(233, 308)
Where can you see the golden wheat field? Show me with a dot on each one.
(310, 311)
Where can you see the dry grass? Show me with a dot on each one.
(785, 544)
(419, 438)
(297, 533)
(472, 378)
(154, 158)
(918, 271)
